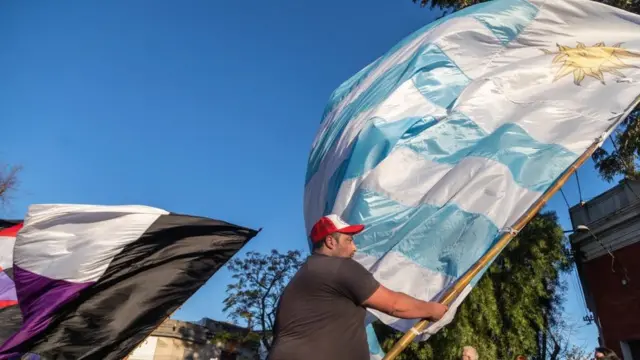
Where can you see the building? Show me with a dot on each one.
(180, 340)
(606, 241)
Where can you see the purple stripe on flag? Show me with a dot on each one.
(40, 297)
(7, 289)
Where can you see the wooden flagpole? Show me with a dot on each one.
(502, 243)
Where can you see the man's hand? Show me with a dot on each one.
(438, 311)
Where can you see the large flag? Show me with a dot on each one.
(440, 145)
(10, 317)
(94, 281)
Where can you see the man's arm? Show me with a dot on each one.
(404, 306)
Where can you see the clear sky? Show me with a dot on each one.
(200, 107)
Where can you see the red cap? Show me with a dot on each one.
(330, 224)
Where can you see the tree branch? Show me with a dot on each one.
(556, 347)
(8, 182)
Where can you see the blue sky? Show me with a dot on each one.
(199, 107)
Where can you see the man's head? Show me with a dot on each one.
(333, 237)
(603, 353)
(469, 353)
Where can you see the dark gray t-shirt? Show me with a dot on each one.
(320, 314)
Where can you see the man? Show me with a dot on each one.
(469, 353)
(322, 310)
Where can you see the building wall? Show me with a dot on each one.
(145, 350)
(180, 340)
(606, 205)
(616, 305)
(178, 349)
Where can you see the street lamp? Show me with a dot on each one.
(583, 228)
(578, 229)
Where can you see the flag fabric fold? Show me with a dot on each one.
(441, 144)
(8, 231)
(10, 316)
(94, 281)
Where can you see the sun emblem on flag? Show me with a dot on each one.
(591, 61)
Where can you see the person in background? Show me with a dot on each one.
(469, 353)
(605, 354)
(321, 313)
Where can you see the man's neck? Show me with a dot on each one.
(322, 251)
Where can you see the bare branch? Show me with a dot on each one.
(8, 182)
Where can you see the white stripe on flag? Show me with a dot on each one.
(476, 185)
(76, 243)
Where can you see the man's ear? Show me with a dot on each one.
(330, 242)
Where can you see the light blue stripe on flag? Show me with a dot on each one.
(506, 19)
(444, 86)
(489, 11)
(427, 58)
(445, 239)
(345, 88)
(372, 146)
(374, 143)
(374, 346)
(441, 91)
(381, 88)
(533, 165)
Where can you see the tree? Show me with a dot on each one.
(626, 149)
(576, 353)
(514, 309)
(8, 181)
(620, 161)
(559, 343)
(260, 280)
(231, 340)
(455, 5)
(448, 5)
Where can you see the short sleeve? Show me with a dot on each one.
(355, 281)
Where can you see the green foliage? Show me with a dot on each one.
(248, 339)
(629, 5)
(259, 281)
(454, 5)
(448, 5)
(515, 307)
(622, 160)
